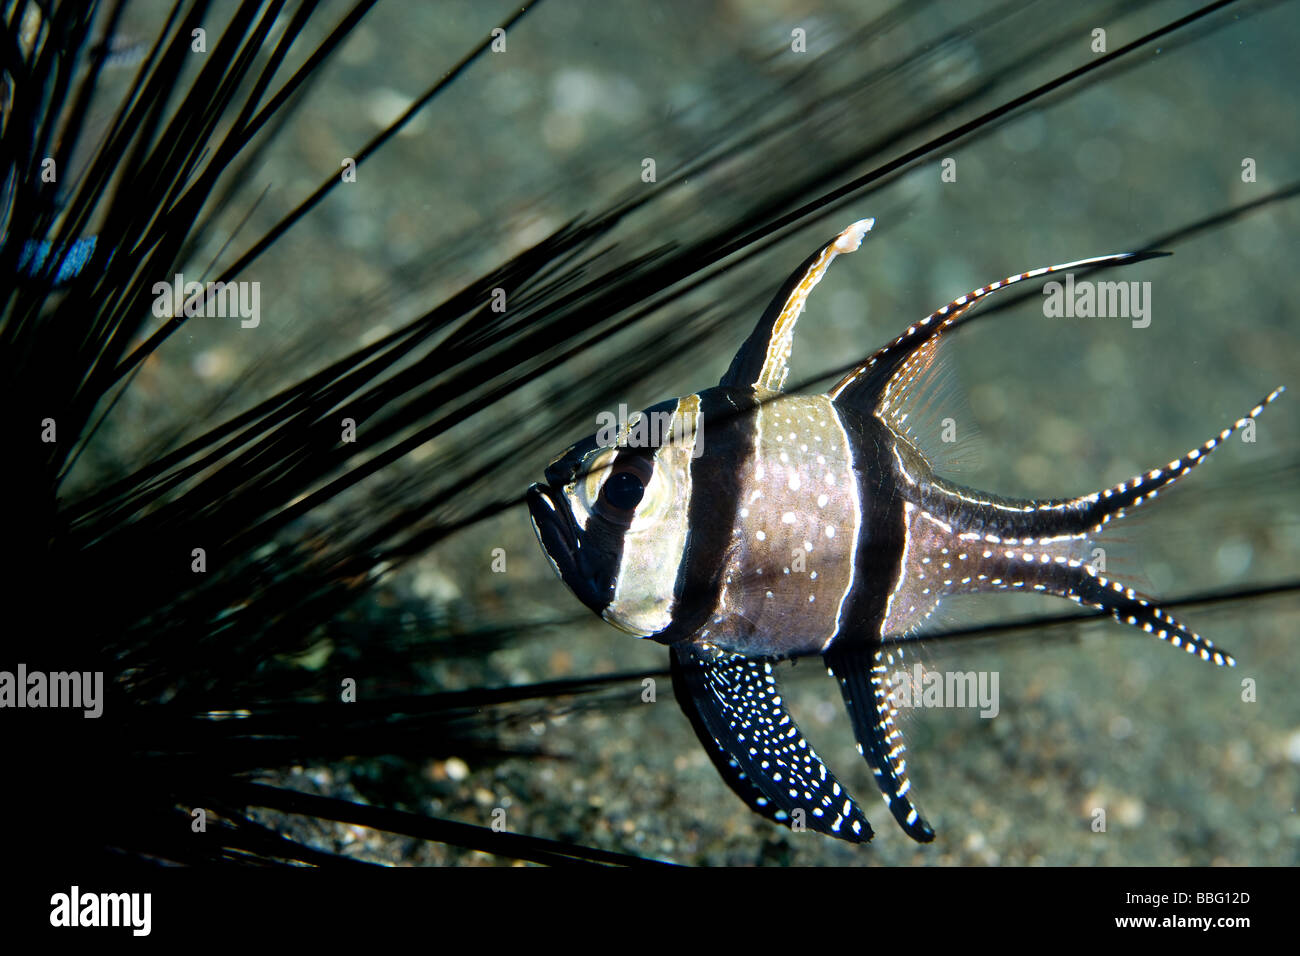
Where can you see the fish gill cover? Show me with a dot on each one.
(284, 518)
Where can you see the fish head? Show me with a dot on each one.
(612, 513)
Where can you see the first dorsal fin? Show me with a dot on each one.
(886, 378)
(763, 361)
(737, 712)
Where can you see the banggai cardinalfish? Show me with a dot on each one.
(742, 525)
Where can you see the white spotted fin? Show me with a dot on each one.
(737, 711)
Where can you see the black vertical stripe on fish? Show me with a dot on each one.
(726, 423)
(882, 532)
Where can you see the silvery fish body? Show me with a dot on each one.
(741, 525)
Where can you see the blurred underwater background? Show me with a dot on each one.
(404, 561)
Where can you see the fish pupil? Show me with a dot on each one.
(624, 490)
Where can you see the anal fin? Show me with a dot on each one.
(863, 675)
(738, 713)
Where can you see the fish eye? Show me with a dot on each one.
(624, 490)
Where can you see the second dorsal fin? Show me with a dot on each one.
(891, 373)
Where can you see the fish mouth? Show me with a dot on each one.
(560, 537)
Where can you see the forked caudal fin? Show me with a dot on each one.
(996, 544)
